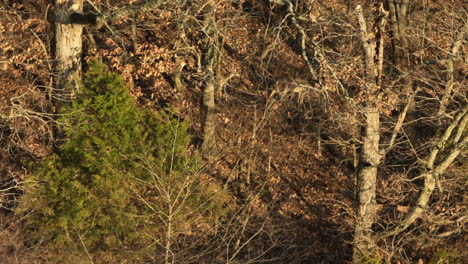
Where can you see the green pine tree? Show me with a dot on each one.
(110, 185)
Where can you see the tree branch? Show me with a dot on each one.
(430, 177)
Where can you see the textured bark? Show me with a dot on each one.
(370, 156)
(210, 54)
(177, 75)
(68, 49)
(398, 13)
(367, 178)
(209, 124)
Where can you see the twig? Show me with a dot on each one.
(86, 250)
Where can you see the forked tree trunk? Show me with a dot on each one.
(398, 11)
(398, 14)
(370, 155)
(68, 50)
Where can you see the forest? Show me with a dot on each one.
(233, 131)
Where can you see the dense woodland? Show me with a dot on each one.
(233, 131)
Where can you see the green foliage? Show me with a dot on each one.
(111, 183)
(444, 256)
(376, 259)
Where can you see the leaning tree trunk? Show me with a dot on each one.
(370, 155)
(68, 49)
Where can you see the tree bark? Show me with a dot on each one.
(210, 54)
(398, 13)
(209, 124)
(370, 155)
(68, 50)
(367, 179)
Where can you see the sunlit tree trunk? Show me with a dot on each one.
(367, 177)
(370, 156)
(68, 49)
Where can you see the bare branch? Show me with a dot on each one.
(303, 40)
(430, 177)
(399, 123)
(450, 70)
(445, 137)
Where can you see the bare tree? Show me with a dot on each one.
(371, 154)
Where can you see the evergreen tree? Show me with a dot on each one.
(110, 184)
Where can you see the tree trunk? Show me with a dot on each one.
(209, 124)
(398, 14)
(370, 155)
(398, 11)
(210, 55)
(68, 50)
(367, 179)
